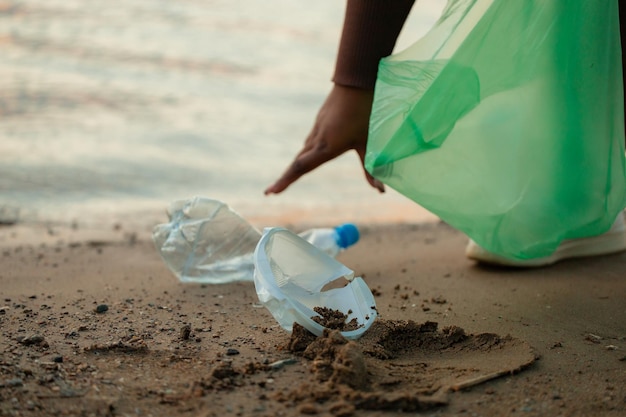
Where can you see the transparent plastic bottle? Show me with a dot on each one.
(292, 278)
(332, 240)
(207, 242)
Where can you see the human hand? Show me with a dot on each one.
(341, 125)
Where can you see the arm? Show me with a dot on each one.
(370, 30)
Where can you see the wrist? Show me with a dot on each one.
(370, 31)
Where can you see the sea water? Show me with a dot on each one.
(110, 110)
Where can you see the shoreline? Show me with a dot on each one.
(112, 226)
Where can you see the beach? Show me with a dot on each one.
(112, 110)
(94, 323)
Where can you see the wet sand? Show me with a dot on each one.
(93, 323)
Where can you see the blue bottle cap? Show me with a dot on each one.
(347, 235)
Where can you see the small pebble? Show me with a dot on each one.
(185, 332)
(16, 382)
(58, 359)
(32, 340)
(102, 308)
(281, 363)
(309, 408)
(593, 338)
(231, 352)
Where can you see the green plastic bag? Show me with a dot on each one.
(506, 120)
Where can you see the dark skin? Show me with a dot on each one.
(341, 125)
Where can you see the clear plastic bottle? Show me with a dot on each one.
(332, 240)
(207, 242)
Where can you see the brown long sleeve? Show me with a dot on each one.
(370, 31)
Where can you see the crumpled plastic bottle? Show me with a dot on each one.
(293, 277)
(206, 241)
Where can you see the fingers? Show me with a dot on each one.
(370, 179)
(374, 182)
(307, 160)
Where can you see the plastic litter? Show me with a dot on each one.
(206, 241)
(332, 241)
(292, 277)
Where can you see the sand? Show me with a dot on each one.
(94, 324)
